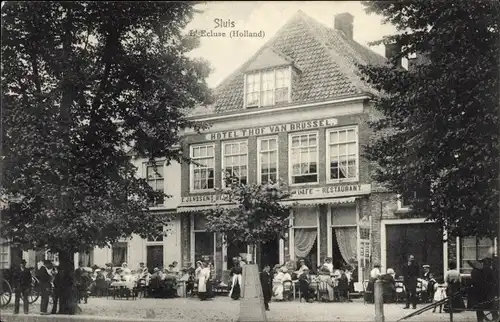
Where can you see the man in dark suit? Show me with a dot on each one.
(410, 275)
(266, 281)
(45, 278)
(22, 286)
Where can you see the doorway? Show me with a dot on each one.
(421, 240)
(269, 254)
(234, 249)
(154, 257)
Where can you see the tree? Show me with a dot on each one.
(439, 131)
(82, 84)
(259, 216)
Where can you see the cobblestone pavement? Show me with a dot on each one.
(225, 309)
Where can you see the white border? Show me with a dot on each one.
(327, 154)
(259, 165)
(222, 148)
(400, 204)
(290, 166)
(8, 263)
(383, 237)
(159, 163)
(191, 168)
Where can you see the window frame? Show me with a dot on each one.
(290, 165)
(157, 242)
(287, 69)
(159, 163)
(222, 147)
(400, 202)
(126, 251)
(192, 167)
(476, 248)
(4, 243)
(193, 241)
(259, 164)
(327, 153)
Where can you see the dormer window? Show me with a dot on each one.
(268, 87)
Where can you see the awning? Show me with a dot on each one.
(322, 201)
(303, 202)
(194, 208)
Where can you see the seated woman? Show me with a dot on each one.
(278, 280)
(326, 281)
(306, 289)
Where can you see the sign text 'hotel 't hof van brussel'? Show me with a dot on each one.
(296, 194)
(272, 129)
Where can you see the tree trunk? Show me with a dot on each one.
(69, 297)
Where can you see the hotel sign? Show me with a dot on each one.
(299, 193)
(331, 191)
(272, 129)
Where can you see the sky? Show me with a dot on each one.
(226, 54)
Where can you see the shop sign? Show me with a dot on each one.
(272, 129)
(331, 191)
(204, 199)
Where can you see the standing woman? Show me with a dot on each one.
(453, 281)
(236, 272)
(202, 281)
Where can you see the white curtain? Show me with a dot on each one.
(304, 241)
(346, 240)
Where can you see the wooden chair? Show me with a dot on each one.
(288, 290)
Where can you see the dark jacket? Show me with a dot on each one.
(43, 276)
(410, 274)
(21, 278)
(266, 282)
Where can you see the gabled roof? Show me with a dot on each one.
(326, 58)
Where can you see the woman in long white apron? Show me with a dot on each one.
(203, 276)
(235, 292)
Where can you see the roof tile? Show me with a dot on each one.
(325, 58)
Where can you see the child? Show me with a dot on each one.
(439, 292)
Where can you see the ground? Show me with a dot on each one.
(225, 309)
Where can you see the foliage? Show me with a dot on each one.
(439, 131)
(259, 215)
(80, 82)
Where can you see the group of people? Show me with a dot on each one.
(334, 280)
(482, 293)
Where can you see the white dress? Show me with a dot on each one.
(202, 280)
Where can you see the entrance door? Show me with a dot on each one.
(154, 257)
(421, 240)
(234, 249)
(269, 254)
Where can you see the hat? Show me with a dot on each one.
(156, 269)
(426, 266)
(486, 259)
(284, 269)
(390, 271)
(302, 261)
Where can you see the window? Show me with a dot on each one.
(154, 176)
(204, 241)
(53, 257)
(304, 158)
(343, 154)
(268, 159)
(344, 234)
(473, 249)
(119, 253)
(235, 160)
(268, 87)
(158, 237)
(4, 254)
(305, 235)
(202, 171)
(403, 200)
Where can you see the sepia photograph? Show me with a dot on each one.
(250, 161)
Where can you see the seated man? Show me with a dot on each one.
(306, 290)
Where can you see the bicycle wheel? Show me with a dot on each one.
(35, 290)
(5, 293)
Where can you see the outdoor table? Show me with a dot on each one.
(121, 285)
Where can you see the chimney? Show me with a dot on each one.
(343, 21)
(391, 51)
